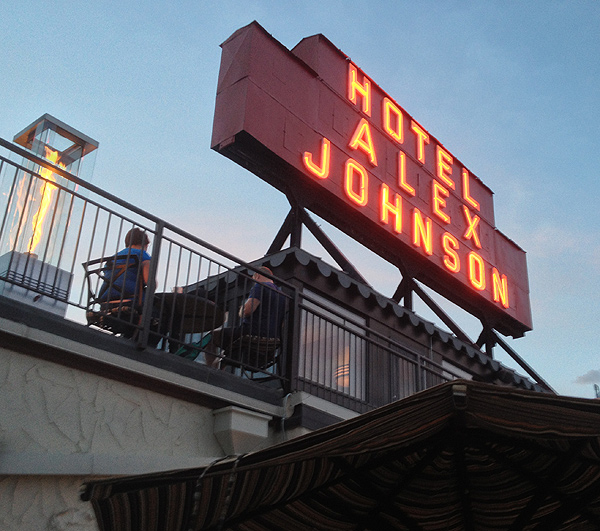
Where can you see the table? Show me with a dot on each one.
(191, 313)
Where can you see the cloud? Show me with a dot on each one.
(589, 377)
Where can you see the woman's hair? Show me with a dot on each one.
(136, 237)
(264, 269)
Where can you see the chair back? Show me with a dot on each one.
(109, 305)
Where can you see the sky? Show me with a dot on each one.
(510, 88)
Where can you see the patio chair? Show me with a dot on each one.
(121, 312)
(257, 358)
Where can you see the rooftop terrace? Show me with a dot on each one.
(341, 342)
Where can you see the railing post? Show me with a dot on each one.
(150, 288)
(420, 374)
(293, 342)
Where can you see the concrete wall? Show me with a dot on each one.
(60, 426)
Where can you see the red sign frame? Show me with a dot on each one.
(311, 123)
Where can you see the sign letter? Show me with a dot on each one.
(361, 196)
(500, 287)
(439, 192)
(476, 271)
(321, 172)
(387, 208)
(355, 87)
(466, 191)
(471, 232)
(402, 174)
(392, 127)
(362, 139)
(444, 168)
(422, 139)
(422, 235)
(451, 259)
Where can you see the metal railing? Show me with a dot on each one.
(343, 360)
(54, 227)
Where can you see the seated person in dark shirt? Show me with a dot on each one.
(261, 315)
(132, 282)
(127, 283)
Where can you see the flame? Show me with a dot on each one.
(47, 190)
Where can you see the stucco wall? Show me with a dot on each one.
(36, 503)
(60, 426)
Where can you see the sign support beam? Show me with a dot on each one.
(292, 227)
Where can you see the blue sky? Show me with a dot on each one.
(510, 88)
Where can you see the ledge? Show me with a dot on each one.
(38, 334)
(56, 464)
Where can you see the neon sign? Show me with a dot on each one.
(311, 123)
(392, 198)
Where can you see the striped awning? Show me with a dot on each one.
(460, 456)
